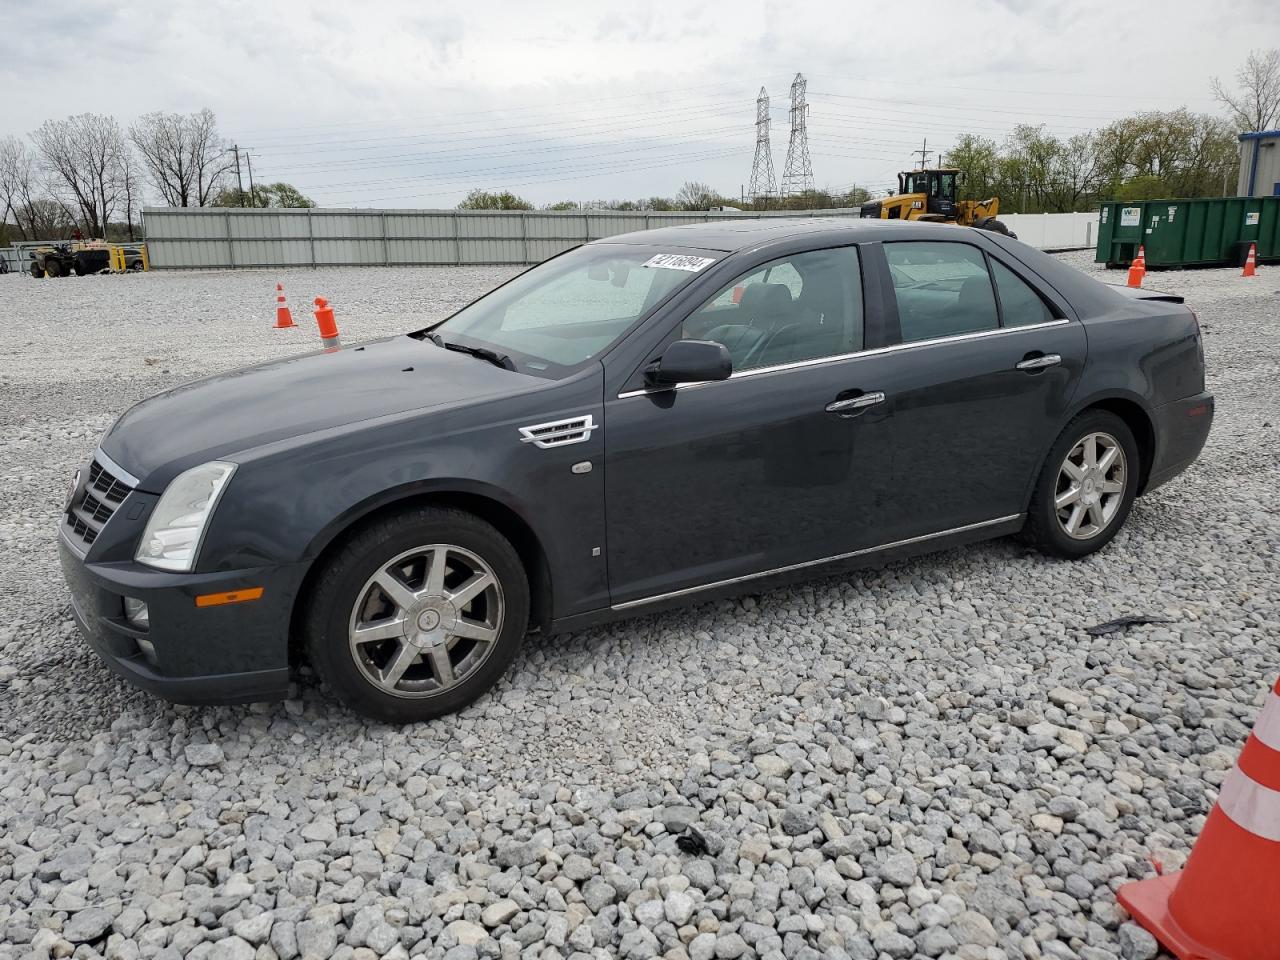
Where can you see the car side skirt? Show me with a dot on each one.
(767, 579)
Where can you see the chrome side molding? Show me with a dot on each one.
(629, 604)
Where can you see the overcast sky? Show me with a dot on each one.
(388, 104)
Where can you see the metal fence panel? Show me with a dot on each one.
(231, 238)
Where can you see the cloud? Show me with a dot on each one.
(590, 98)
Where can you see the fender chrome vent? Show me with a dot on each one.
(558, 433)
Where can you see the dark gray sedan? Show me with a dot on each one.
(651, 419)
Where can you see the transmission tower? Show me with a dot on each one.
(763, 183)
(797, 175)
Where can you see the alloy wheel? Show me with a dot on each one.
(426, 620)
(1091, 486)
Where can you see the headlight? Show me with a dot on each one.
(176, 528)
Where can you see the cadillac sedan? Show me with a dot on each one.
(651, 419)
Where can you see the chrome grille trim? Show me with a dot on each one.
(96, 502)
(559, 433)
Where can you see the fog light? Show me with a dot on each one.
(136, 613)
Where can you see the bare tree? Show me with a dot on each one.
(87, 156)
(694, 195)
(22, 189)
(1256, 105)
(184, 157)
(15, 164)
(131, 187)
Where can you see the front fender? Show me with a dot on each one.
(288, 501)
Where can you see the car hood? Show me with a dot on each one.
(219, 416)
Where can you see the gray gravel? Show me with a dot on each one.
(932, 759)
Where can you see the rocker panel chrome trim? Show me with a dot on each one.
(627, 605)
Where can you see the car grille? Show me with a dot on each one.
(94, 504)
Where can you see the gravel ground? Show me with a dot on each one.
(930, 759)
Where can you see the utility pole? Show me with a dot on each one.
(235, 148)
(797, 174)
(924, 152)
(762, 179)
(253, 197)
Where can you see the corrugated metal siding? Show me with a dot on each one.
(221, 238)
(230, 238)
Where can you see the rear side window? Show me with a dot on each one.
(1020, 305)
(943, 289)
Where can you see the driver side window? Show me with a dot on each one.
(801, 307)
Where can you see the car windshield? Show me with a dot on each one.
(562, 313)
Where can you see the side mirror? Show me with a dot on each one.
(690, 361)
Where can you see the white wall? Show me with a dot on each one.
(1054, 231)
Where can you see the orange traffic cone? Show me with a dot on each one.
(1251, 262)
(1222, 905)
(1138, 268)
(283, 317)
(327, 324)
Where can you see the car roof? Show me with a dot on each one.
(732, 235)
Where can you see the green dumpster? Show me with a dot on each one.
(1199, 232)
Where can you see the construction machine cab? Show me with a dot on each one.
(938, 188)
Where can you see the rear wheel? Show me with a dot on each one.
(1086, 487)
(37, 271)
(52, 268)
(418, 614)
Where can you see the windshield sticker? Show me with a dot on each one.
(679, 261)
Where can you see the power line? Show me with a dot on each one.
(545, 180)
(558, 103)
(501, 169)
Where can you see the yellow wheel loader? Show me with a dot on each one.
(931, 195)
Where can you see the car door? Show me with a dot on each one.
(714, 481)
(977, 385)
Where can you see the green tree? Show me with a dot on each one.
(282, 195)
(484, 200)
(978, 160)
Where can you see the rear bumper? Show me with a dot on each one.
(233, 653)
(1181, 429)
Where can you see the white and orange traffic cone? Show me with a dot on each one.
(1138, 268)
(1251, 262)
(283, 317)
(1223, 904)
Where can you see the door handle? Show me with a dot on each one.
(1040, 362)
(855, 403)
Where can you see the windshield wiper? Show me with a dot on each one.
(484, 353)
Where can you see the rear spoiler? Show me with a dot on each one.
(1137, 293)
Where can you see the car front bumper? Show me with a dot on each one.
(229, 653)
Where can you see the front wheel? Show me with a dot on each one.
(1086, 487)
(418, 614)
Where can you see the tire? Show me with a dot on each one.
(52, 268)
(136, 266)
(37, 271)
(79, 269)
(416, 634)
(1098, 510)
